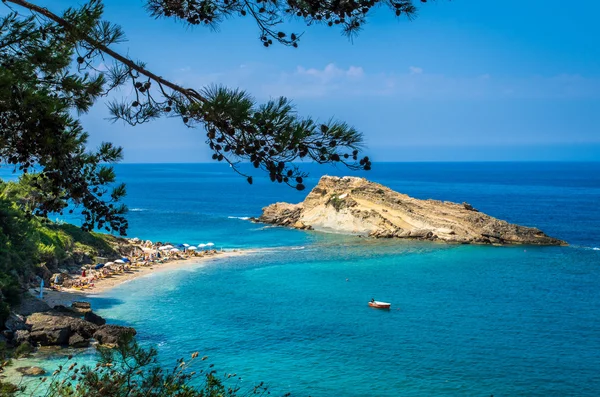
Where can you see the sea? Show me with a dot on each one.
(465, 320)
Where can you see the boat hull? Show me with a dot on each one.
(380, 305)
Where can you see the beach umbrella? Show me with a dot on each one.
(164, 247)
(135, 240)
(99, 266)
(210, 244)
(175, 250)
(125, 259)
(121, 261)
(185, 245)
(109, 263)
(201, 245)
(192, 248)
(146, 249)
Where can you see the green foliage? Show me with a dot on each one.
(350, 16)
(9, 390)
(336, 202)
(132, 371)
(23, 350)
(37, 54)
(27, 240)
(39, 94)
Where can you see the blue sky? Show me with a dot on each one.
(468, 80)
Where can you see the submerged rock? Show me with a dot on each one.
(31, 371)
(352, 205)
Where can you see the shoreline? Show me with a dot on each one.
(66, 296)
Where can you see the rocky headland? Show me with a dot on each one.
(352, 205)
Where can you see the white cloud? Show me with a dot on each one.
(333, 81)
(330, 73)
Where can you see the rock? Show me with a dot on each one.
(356, 206)
(84, 328)
(30, 304)
(21, 336)
(299, 225)
(78, 341)
(8, 334)
(58, 278)
(50, 337)
(44, 273)
(81, 307)
(15, 322)
(94, 318)
(31, 371)
(110, 334)
(64, 309)
(469, 207)
(55, 328)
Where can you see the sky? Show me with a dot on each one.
(467, 80)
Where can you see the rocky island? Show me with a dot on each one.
(351, 205)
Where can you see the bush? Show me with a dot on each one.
(336, 202)
(24, 349)
(131, 371)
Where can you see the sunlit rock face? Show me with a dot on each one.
(352, 205)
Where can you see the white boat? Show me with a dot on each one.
(380, 305)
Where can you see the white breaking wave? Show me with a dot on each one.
(243, 218)
(138, 209)
(596, 249)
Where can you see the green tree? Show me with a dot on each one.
(48, 73)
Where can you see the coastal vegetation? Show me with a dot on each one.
(128, 370)
(32, 246)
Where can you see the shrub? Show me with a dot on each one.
(336, 202)
(24, 349)
(132, 371)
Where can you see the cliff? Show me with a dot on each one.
(356, 206)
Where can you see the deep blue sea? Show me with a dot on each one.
(465, 320)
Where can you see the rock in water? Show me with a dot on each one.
(31, 371)
(94, 318)
(110, 334)
(52, 328)
(356, 206)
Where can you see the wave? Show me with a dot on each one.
(595, 249)
(138, 209)
(243, 218)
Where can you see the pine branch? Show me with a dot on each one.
(192, 95)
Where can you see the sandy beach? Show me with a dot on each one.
(66, 296)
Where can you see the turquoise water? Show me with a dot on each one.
(465, 320)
